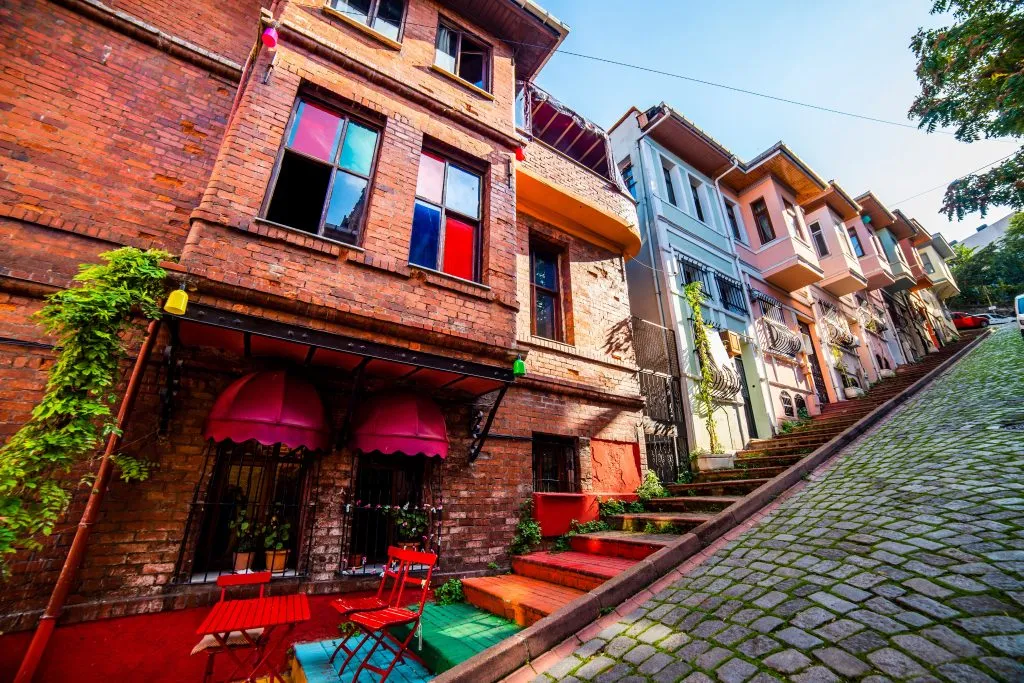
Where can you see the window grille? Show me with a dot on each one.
(731, 292)
(787, 404)
(837, 330)
(655, 348)
(773, 331)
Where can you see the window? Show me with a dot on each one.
(463, 55)
(927, 261)
(801, 404)
(818, 239)
(695, 193)
(731, 292)
(695, 271)
(628, 179)
(666, 170)
(763, 221)
(545, 294)
(858, 248)
(324, 174)
(793, 220)
(787, 404)
(446, 220)
(383, 16)
(731, 211)
(554, 465)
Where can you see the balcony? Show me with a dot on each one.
(943, 284)
(842, 274)
(788, 263)
(903, 279)
(877, 271)
(921, 278)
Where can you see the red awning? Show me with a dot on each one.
(400, 423)
(270, 407)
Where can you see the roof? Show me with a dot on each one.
(779, 161)
(837, 199)
(685, 139)
(872, 206)
(564, 130)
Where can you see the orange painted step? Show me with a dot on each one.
(575, 570)
(621, 543)
(517, 598)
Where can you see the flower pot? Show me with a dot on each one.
(276, 560)
(886, 373)
(243, 561)
(355, 561)
(853, 392)
(716, 461)
(409, 545)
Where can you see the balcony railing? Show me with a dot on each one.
(778, 338)
(725, 383)
(837, 330)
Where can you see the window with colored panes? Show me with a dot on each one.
(763, 221)
(383, 16)
(820, 246)
(858, 248)
(323, 176)
(463, 55)
(446, 220)
(545, 292)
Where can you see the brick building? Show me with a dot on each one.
(369, 238)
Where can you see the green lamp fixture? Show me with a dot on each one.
(519, 367)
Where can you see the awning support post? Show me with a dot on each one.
(480, 435)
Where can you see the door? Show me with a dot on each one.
(748, 409)
(382, 482)
(816, 376)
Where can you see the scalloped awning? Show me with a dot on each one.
(404, 423)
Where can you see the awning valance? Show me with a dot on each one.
(271, 408)
(404, 423)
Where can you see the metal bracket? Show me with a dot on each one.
(479, 428)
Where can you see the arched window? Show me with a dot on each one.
(787, 404)
(878, 359)
(801, 405)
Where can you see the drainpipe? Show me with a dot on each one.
(69, 572)
(762, 372)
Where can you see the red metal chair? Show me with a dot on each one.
(375, 623)
(236, 640)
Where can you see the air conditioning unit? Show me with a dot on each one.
(731, 341)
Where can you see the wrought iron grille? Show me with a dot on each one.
(778, 338)
(664, 453)
(837, 330)
(266, 486)
(691, 270)
(731, 292)
(663, 396)
(725, 382)
(655, 348)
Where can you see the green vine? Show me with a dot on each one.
(90, 323)
(695, 296)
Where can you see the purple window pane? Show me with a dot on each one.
(426, 233)
(430, 183)
(315, 132)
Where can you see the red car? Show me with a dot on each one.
(966, 321)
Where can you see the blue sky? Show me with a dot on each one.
(852, 56)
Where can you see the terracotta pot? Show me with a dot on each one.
(853, 392)
(276, 560)
(409, 545)
(356, 561)
(243, 562)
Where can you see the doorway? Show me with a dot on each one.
(748, 408)
(812, 357)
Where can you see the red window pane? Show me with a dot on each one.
(459, 248)
(315, 132)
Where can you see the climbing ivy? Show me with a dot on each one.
(694, 294)
(90, 322)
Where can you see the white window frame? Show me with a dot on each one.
(734, 208)
(668, 178)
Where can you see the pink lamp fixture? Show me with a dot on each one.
(269, 37)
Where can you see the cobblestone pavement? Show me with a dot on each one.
(903, 561)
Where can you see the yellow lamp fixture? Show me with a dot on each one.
(177, 302)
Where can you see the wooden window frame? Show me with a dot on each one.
(568, 467)
(442, 230)
(759, 207)
(488, 54)
(670, 190)
(627, 171)
(732, 217)
(543, 249)
(347, 117)
(371, 18)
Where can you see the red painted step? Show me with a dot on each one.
(621, 543)
(582, 571)
(521, 599)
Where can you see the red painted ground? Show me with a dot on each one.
(153, 647)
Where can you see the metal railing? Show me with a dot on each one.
(777, 337)
(655, 348)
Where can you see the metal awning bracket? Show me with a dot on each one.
(480, 428)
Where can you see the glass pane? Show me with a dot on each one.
(389, 18)
(357, 152)
(459, 248)
(354, 9)
(544, 315)
(447, 46)
(348, 204)
(545, 271)
(299, 193)
(463, 192)
(430, 183)
(315, 132)
(473, 67)
(426, 233)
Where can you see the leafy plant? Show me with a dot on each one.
(607, 508)
(493, 566)
(685, 477)
(528, 532)
(652, 528)
(247, 535)
(576, 528)
(90, 323)
(410, 524)
(449, 592)
(650, 488)
(695, 297)
(276, 533)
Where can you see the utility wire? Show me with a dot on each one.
(949, 182)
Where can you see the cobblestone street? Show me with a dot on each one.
(902, 561)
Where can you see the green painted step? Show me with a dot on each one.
(454, 633)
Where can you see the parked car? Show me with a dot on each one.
(966, 321)
(1018, 305)
(995, 318)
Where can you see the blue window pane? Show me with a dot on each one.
(545, 272)
(426, 232)
(462, 192)
(544, 316)
(348, 204)
(357, 152)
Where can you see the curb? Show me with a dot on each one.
(506, 657)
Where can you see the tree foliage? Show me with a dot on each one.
(972, 77)
(89, 322)
(992, 275)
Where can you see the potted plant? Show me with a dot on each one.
(276, 533)
(410, 525)
(247, 539)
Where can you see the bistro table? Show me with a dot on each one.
(267, 613)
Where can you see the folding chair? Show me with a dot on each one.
(375, 623)
(236, 640)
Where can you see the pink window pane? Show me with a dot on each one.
(430, 183)
(315, 132)
(459, 248)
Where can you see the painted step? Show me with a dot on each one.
(521, 599)
(782, 449)
(710, 504)
(582, 571)
(741, 473)
(639, 521)
(756, 461)
(624, 544)
(451, 634)
(736, 487)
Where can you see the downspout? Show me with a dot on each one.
(69, 572)
(762, 372)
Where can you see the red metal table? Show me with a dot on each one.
(244, 615)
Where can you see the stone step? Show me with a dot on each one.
(582, 571)
(781, 449)
(758, 461)
(737, 487)
(625, 544)
(521, 599)
(741, 473)
(711, 504)
(677, 521)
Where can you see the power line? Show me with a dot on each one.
(949, 182)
